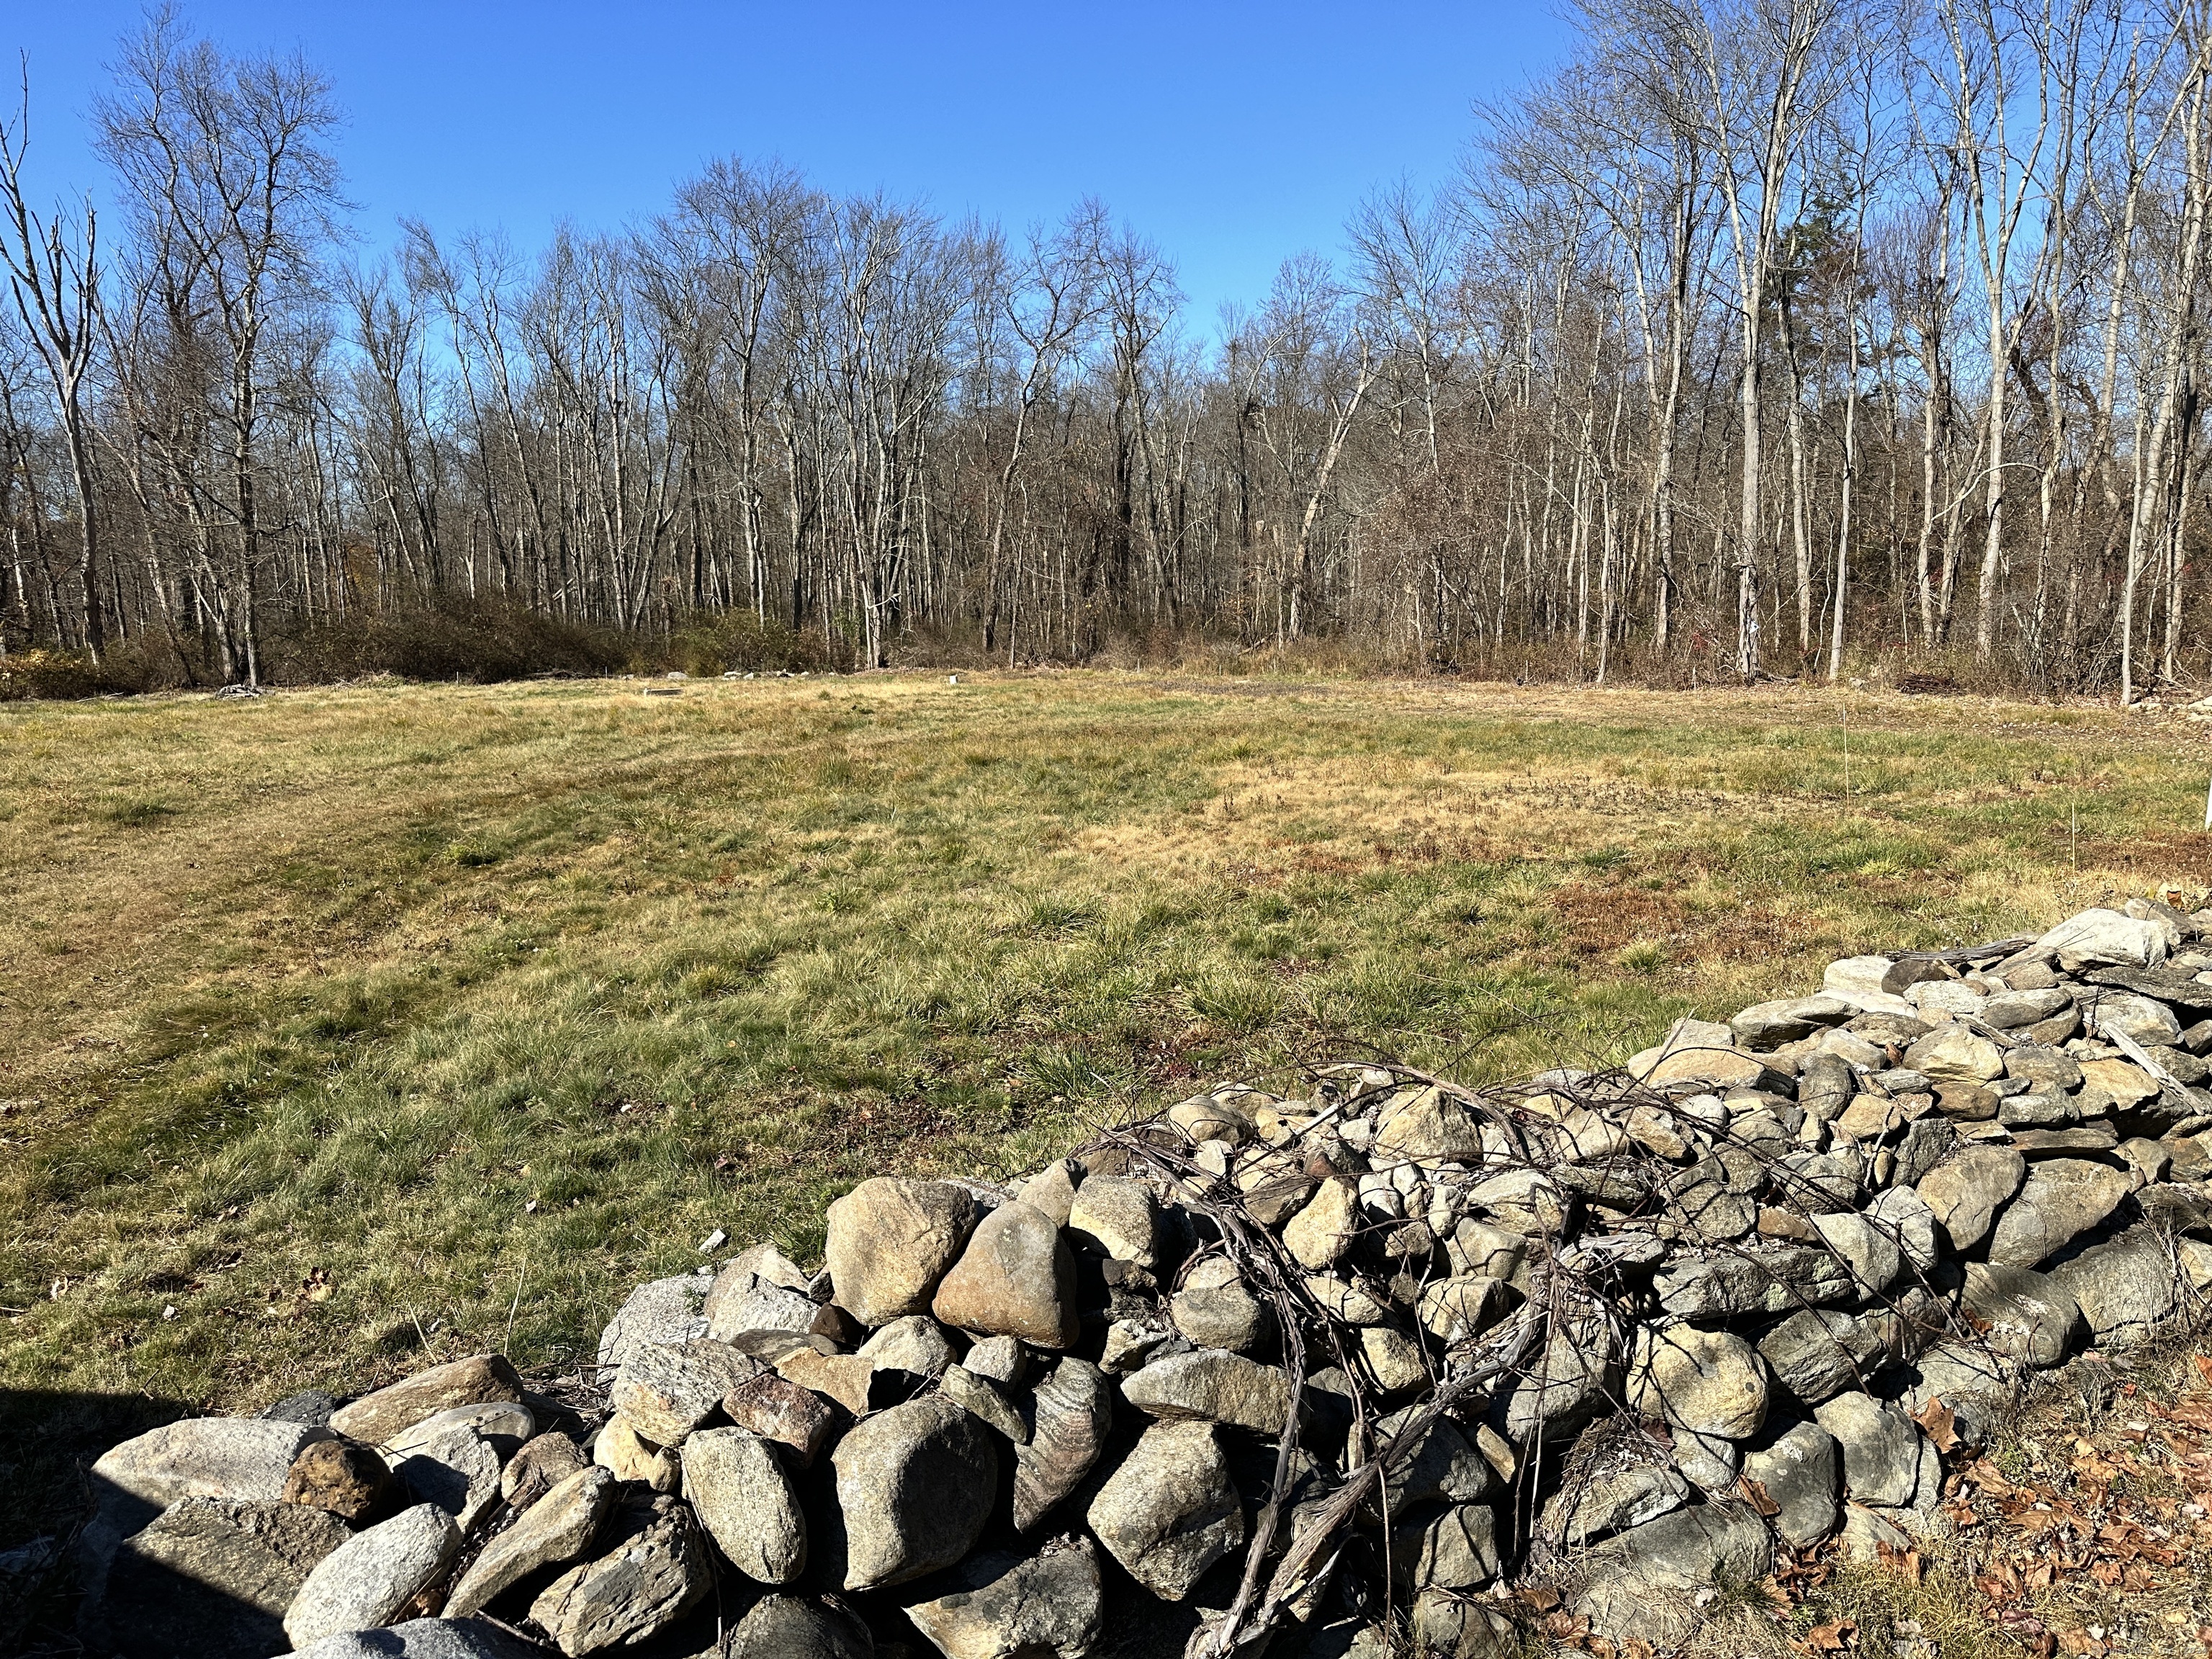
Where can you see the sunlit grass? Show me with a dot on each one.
(353, 1021)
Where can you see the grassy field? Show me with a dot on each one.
(348, 1029)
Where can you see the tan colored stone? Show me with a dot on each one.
(1319, 1234)
(472, 1382)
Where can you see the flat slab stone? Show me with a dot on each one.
(377, 1417)
(212, 1576)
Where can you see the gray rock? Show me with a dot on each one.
(1863, 979)
(660, 1310)
(1771, 1280)
(212, 1576)
(1117, 1219)
(1819, 1353)
(1644, 1583)
(999, 1359)
(1802, 1474)
(457, 1470)
(736, 1486)
(1965, 1192)
(375, 1417)
(370, 1579)
(981, 1396)
(788, 1627)
(1865, 1247)
(915, 1486)
(891, 1240)
(424, 1638)
(1881, 1448)
(505, 1423)
(1051, 1188)
(1612, 1499)
(198, 1457)
(667, 1389)
(2009, 1010)
(1977, 1383)
(1442, 1465)
(310, 1406)
(1902, 1215)
(2126, 1288)
(1867, 1534)
(1016, 1277)
(915, 1344)
(753, 1303)
(2049, 1068)
(2104, 938)
(1712, 1462)
(2147, 1022)
(1212, 1386)
(1768, 1025)
(559, 1526)
(632, 1593)
(2064, 1198)
(2027, 1316)
(1825, 1084)
(1046, 1606)
(1926, 1143)
(1563, 1387)
(1706, 1381)
(1071, 1413)
(1172, 1510)
(539, 1467)
(1455, 1548)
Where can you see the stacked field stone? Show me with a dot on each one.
(1301, 1376)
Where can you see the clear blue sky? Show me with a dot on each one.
(1231, 134)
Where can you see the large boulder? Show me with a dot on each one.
(631, 1594)
(891, 1240)
(2064, 1198)
(1172, 1510)
(559, 1526)
(1881, 1448)
(736, 1484)
(915, 1486)
(372, 1577)
(2021, 1313)
(1820, 1353)
(1045, 1605)
(2126, 1288)
(1774, 1279)
(424, 1638)
(660, 1310)
(212, 1576)
(2104, 938)
(198, 1457)
(472, 1382)
(790, 1627)
(1016, 1277)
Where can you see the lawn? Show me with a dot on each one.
(344, 1030)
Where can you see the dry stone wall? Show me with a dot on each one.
(1331, 1375)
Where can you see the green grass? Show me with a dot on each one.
(347, 1029)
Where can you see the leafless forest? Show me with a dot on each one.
(1762, 337)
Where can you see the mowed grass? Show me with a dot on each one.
(347, 1030)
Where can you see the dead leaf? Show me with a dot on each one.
(1754, 1495)
(1906, 1563)
(1940, 1423)
(1543, 1597)
(1838, 1637)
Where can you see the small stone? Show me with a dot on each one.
(2151, 1024)
(892, 1240)
(311, 1407)
(1818, 1352)
(1393, 1359)
(342, 1477)
(1052, 1189)
(1870, 1117)
(1643, 1584)
(1800, 1473)
(981, 1396)
(1965, 1192)
(778, 1409)
(915, 1486)
(1070, 1414)
(1204, 1117)
(661, 1310)
(1706, 1381)
(503, 1422)
(632, 1594)
(1223, 1316)
(212, 1576)
(459, 1471)
(1462, 1307)
(1117, 1219)
(737, 1486)
(1425, 1124)
(1522, 1200)
(1041, 1607)
(1712, 1462)
(2053, 1067)
(1452, 1549)
(741, 1302)
(846, 1378)
(917, 1344)
(1867, 1537)
(667, 1389)
(2123, 1081)
(1612, 1500)
(2022, 1313)
(1881, 1448)
(368, 1580)
(377, 1417)
(1017, 1277)
(1214, 1386)
(1861, 979)
(1720, 1064)
(2010, 1010)
(619, 1450)
(1443, 1465)
(1865, 1247)
(1953, 1052)
(1563, 1387)
(2064, 1198)
(559, 1526)
(1938, 1000)
(1324, 1230)
(1477, 1250)
(198, 1457)
(787, 1627)
(1172, 1510)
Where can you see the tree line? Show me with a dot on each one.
(1758, 337)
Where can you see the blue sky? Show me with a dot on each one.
(1231, 134)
